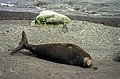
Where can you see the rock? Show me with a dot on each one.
(117, 57)
(48, 17)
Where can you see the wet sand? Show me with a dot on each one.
(106, 20)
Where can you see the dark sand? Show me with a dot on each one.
(106, 20)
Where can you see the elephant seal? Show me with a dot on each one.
(66, 53)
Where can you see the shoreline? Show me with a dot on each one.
(105, 20)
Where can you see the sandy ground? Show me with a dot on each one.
(100, 41)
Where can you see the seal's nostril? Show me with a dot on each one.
(87, 61)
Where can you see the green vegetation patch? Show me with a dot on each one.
(51, 19)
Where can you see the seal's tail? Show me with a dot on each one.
(23, 43)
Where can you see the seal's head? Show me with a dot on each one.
(87, 62)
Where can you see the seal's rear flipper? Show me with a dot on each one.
(23, 43)
(16, 49)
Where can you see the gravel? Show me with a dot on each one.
(100, 41)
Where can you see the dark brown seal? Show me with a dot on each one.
(63, 52)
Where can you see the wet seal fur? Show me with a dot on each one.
(66, 53)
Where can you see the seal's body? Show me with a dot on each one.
(63, 52)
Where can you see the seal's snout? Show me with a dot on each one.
(87, 62)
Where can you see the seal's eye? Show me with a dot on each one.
(87, 62)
